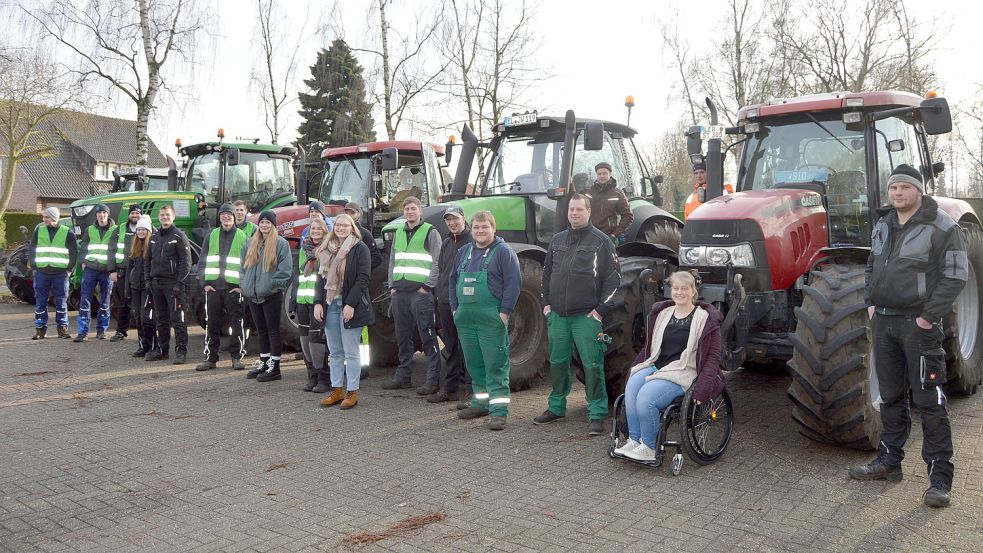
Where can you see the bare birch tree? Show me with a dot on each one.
(126, 44)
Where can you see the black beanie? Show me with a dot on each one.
(269, 215)
(227, 208)
(101, 207)
(908, 174)
(318, 206)
(699, 167)
(136, 207)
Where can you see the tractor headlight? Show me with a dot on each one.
(740, 255)
(83, 210)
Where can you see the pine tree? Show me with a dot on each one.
(335, 111)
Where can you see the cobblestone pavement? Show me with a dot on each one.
(104, 453)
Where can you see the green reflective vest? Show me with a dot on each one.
(98, 249)
(249, 228)
(51, 252)
(121, 242)
(412, 261)
(213, 261)
(305, 284)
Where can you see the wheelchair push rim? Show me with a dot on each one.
(706, 429)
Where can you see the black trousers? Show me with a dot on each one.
(413, 308)
(223, 310)
(457, 376)
(124, 310)
(169, 309)
(266, 319)
(898, 347)
(142, 309)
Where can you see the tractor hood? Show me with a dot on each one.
(293, 220)
(185, 209)
(509, 211)
(785, 228)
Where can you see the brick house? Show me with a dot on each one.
(88, 148)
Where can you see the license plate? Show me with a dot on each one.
(521, 119)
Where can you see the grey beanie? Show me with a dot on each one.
(907, 174)
(52, 212)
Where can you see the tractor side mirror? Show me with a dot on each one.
(390, 159)
(938, 167)
(659, 179)
(593, 137)
(231, 156)
(936, 117)
(694, 142)
(116, 182)
(895, 145)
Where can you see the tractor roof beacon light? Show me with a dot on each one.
(629, 103)
(177, 143)
(221, 134)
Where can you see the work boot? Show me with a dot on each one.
(39, 333)
(323, 382)
(118, 337)
(179, 358)
(351, 400)
(154, 356)
(272, 373)
(63, 332)
(396, 385)
(139, 353)
(937, 495)
(337, 396)
(79, 338)
(465, 400)
(364, 374)
(426, 389)
(496, 423)
(205, 365)
(440, 396)
(878, 469)
(471, 413)
(547, 417)
(260, 368)
(100, 334)
(595, 427)
(238, 365)
(311, 379)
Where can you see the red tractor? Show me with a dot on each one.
(784, 257)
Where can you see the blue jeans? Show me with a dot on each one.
(644, 402)
(44, 286)
(90, 279)
(343, 344)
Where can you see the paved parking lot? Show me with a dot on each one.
(104, 453)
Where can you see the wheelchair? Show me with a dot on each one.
(704, 430)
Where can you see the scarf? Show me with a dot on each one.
(333, 259)
(309, 247)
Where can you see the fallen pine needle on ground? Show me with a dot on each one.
(401, 528)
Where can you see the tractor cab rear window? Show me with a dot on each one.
(257, 176)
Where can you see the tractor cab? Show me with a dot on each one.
(140, 179)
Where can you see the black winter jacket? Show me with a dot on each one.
(581, 273)
(168, 258)
(355, 288)
(918, 268)
(448, 253)
(134, 274)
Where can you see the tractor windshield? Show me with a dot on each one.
(822, 155)
(257, 177)
(346, 180)
(351, 180)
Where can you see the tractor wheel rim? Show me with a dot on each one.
(968, 314)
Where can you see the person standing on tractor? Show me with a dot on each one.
(457, 381)
(580, 279)
(241, 212)
(700, 183)
(610, 211)
(137, 292)
(916, 269)
(219, 267)
(484, 288)
(98, 269)
(414, 264)
(302, 303)
(53, 254)
(167, 268)
(267, 271)
(124, 238)
(355, 212)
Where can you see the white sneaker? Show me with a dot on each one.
(629, 445)
(642, 453)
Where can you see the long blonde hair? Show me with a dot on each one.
(331, 236)
(268, 243)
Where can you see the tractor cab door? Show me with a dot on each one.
(897, 141)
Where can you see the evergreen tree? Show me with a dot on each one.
(335, 111)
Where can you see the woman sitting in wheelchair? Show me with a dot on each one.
(682, 349)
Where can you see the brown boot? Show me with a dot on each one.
(351, 399)
(337, 395)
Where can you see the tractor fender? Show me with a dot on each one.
(529, 251)
(640, 248)
(961, 211)
(645, 213)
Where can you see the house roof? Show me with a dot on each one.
(105, 138)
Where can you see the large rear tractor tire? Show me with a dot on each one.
(289, 329)
(963, 327)
(833, 385)
(382, 335)
(664, 232)
(19, 288)
(626, 323)
(528, 340)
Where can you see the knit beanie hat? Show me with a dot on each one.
(269, 215)
(136, 207)
(52, 212)
(102, 207)
(317, 205)
(144, 223)
(602, 165)
(907, 174)
(227, 208)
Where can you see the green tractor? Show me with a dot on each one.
(262, 175)
(528, 157)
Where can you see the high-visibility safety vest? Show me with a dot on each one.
(121, 242)
(305, 284)
(52, 252)
(412, 261)
(249, 228)
(98, 250)
(233, 261)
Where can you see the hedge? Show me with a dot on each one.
(10, 236)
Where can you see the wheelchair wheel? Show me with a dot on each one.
(619, 424)
(706, 428)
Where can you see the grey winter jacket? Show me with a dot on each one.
(258, 284)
